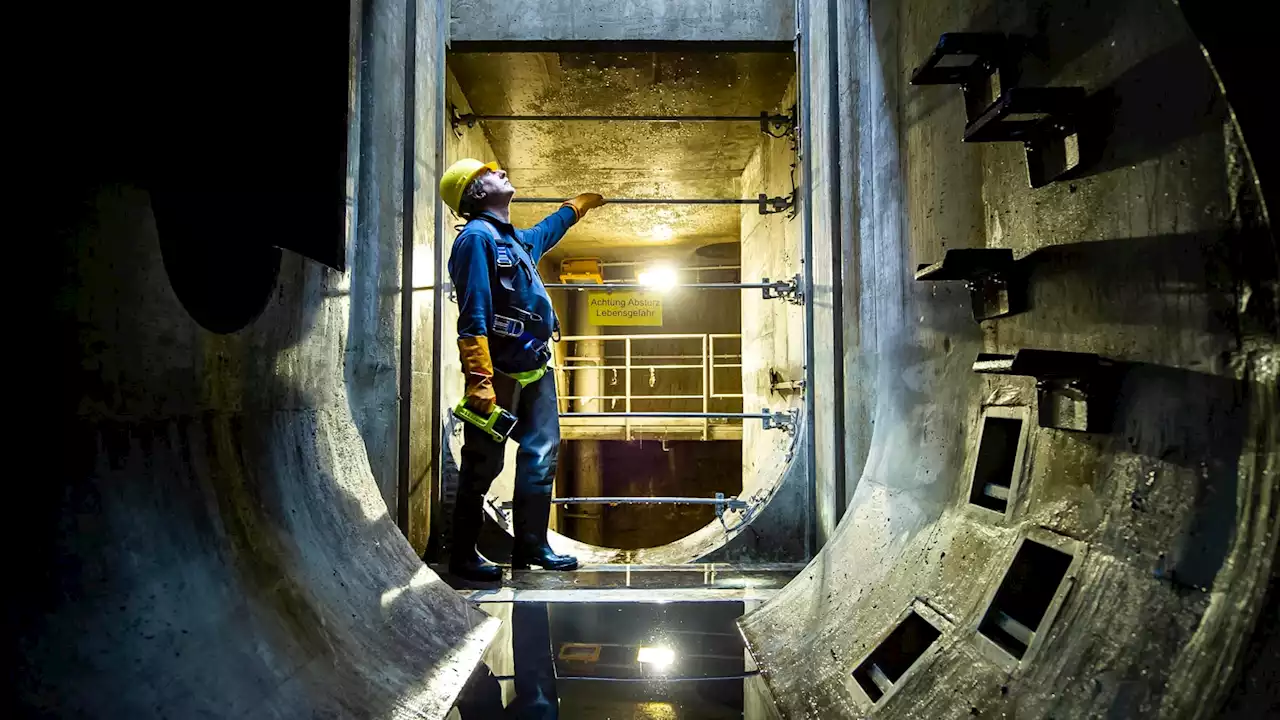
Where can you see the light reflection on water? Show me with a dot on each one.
(598, 661)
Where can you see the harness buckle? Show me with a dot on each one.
(526, 315)
(504, 256)
(507, 327)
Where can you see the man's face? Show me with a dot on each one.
(496, 186)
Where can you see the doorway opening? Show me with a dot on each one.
(682, 343)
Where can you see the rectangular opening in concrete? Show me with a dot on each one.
(662, 374)
(1026, 593)
(999, 450)
(895, 655)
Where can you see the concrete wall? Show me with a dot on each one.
(468, 143)
(586, 20)
(773, 342)
(821, 161)
(429, 127)
(208, 536)
(1153, 256)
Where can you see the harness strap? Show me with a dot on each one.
(508, 263)
(528, 377)
(506, 257)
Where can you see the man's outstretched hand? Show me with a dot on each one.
(584, 202)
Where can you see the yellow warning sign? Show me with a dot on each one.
(624, 308)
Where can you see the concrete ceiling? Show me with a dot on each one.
(681, 160)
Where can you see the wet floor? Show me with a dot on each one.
(703, 581)
(670, 649)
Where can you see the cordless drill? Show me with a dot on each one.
(498, 423)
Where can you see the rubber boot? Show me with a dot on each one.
(531, 548)
(464, 561)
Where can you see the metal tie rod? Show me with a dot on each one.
(770, 123)
(649, 201)
(788, 290)
(775, 119)
(728, 415)
(648, 680)
(767, 205)
(780, 285)
(783, 420)
(732, 503)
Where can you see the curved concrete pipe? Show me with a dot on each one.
(210, 540)
(1157, 257)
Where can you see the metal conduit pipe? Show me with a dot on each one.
(767, 205)
(779, 285)
(691, 268)
(709, 415)
(775, 119)
(804, 144)
(731, 502)
(649, 680)
(650, 201)
(782, 420)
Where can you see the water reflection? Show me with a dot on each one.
(596, 661)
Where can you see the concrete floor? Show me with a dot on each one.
(214, 523)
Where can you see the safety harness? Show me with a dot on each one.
(512, 325)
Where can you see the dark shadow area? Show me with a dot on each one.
(1237, 35)
(1024, 597)
(1147, 109)
(1132, 281)
(200, 543)
(438, 545)
(200, 258)
(238, 129)
(1257, 690)
(194, 548)
(994, 469)
(1197, 423)
(891, 659)
(675, 468)
(1049, 34)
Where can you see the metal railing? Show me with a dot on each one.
(720, 502)
(707, 362)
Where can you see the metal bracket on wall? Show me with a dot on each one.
(977, 62)
(784, 420)
(1074, 391)
(1043, 120)
(996, 110)
(778, 126)
(774, 205)
(788, 290)
(457, 120)
(779, 385)
(772, 124)
(995, 287)
(720, 508)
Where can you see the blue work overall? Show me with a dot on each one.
(494, 270)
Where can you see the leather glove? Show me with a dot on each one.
(477, 367)
(584, 202)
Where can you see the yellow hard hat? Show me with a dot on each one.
(459, 175)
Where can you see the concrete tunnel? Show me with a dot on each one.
(962, 401)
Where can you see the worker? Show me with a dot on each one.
(505, 321)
